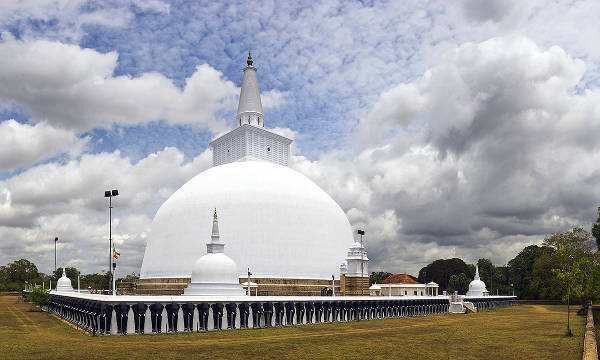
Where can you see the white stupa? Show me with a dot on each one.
(64, 283)
(215, 273)
(280, 224)
(477, 287)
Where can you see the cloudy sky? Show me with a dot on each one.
(443, 128)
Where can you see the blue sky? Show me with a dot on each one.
(447, 129)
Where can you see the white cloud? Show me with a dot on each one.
(487, 152)
(155, 5)
(273, 98)
(24, 145)
(69, 17)
(75, 88)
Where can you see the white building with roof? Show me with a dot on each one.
(403, 285)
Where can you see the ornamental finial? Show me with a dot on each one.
(249, 61)
(215, 215)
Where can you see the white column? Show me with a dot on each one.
(165, 321)
(210, 322)
(130, 321)
(196, 320)
(180, 319)
(113, 323)
(148, 321)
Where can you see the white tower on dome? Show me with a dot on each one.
(477, 287)
(214, 273)
(250, 140)
(64, 283)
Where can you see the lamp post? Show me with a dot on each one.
(362, 262)
(55, 241)
(114, 288)
(109, 194)
(332, 285)
(249, 273)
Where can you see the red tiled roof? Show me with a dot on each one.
(400, 279)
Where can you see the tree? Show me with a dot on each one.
(520, 269)
(574, 250)
(487, 273)
(441, 270)
(39, 296)
(458, 283)
(19, 271)
(95, 281)
(543, 284)
(378, 277)
(596, 230)
(14, 275)
(501, 280)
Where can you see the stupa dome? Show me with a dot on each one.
(64, 283)
(275, 220)
(477, 287)
(218, 268)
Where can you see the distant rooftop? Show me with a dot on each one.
(400, 279)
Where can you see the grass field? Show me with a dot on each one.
(520, 332)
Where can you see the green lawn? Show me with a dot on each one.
(520, 332)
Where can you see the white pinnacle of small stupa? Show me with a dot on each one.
(476, 273)
(215, 245)
(250, 109)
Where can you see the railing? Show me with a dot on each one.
(106, 315)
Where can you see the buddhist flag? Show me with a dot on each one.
(115, 253)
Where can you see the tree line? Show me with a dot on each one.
(14, 276)
(566, 266)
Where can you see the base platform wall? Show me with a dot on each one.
(266, 287)
(355, 285)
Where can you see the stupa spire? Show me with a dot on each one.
(476, 272)
(250, 109)
(215, 245)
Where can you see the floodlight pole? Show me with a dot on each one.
(109, 194)
(55, 241)
(110, 255)
(362, 263)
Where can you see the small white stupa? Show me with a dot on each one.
(64, 283)
(215, 273)
(477, 287)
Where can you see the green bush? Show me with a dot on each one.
(39, 296)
